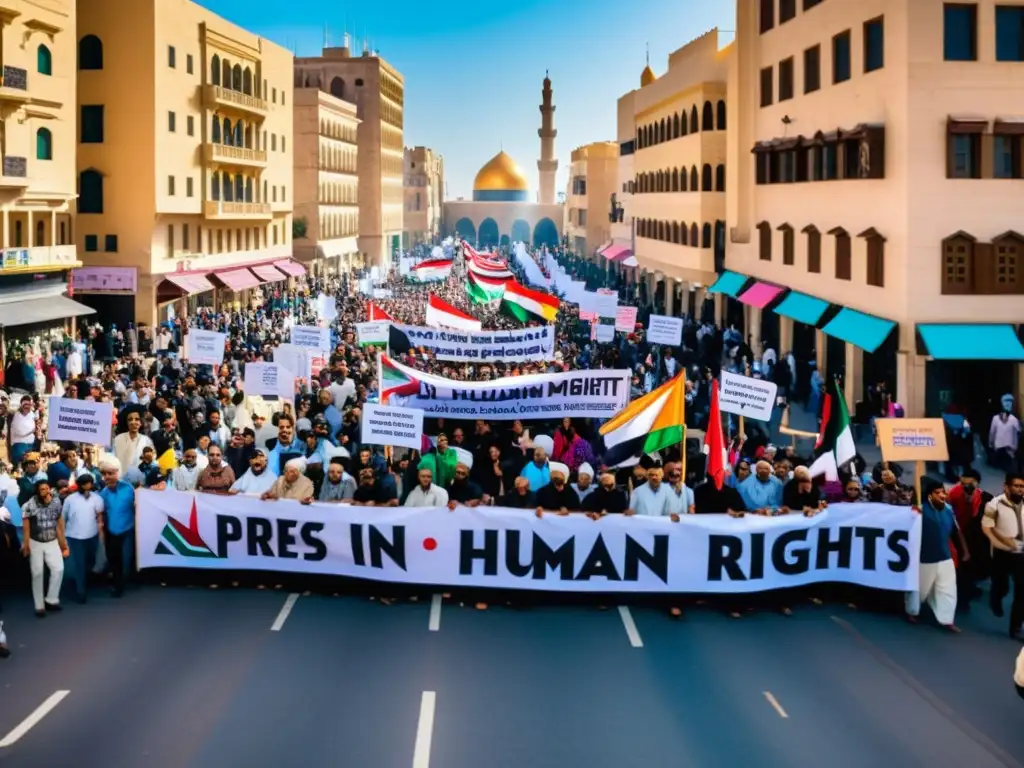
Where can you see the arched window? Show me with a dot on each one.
(236, 78)
(675, 179)
(215, 130)
(248, 189)
(675, 126)
(694, 234)
(44, 144)
(215, 186)
(90, 53)
(705, 241)
(40, 233)
(44, 60)
(228, 187)
(225, 74)
(18, 236)
(708, 118)
(720, 178)
(239, 188)
(238, 134)
(721, 115)
(958, 264)
(229, 132)
(694, 125)
(675, 232)
(338, 88)
(661, 230)
(706, 178)
(683, 234)
(682, 180)
(694, 180)
(247, 81)
(215, 69)
(682, 124)
(90, 192)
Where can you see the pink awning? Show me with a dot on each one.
(190, 284)
(237, 279)
(617, 253)
(269, 274)
(290, 267)
(760, 295)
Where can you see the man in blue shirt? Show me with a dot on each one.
(762, 491)
(937, 582)
(119, 522)
(537, 471)
(287, 447)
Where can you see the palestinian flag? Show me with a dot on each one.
(501, 273)
(185, 541)
(431, 271)
(525, 304)
(483, 262)
(441, 314)
(373, 312)
(835, 445)
(482, 290)
(395, 379)
(655, 421)
(714, 441)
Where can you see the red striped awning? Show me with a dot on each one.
(237, 279)
(617, 253)
(269, 274)
(291, 267)
(189, 284)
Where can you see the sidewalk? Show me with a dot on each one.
(804, 421)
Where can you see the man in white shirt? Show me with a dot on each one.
(22, 432)
(426, 494)
(74, 363)
(343, 387)
(257, 480)
(186, 475)
(1003, 524)
(653, 498)
(83, 523)
(128, 445)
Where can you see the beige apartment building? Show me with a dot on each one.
(424, 193)
(672, 173)
(37, 184)
(185, 159)
(378, 91)
(874, 178)
(326, 182)
(593, 175)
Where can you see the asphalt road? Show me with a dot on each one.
(175, 677)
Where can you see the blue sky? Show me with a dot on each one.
(473, 70)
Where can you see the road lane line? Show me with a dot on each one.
(631, 631)
(286, 609)
(775, 705)
(424, 731)
(32, 720)
(434, 625)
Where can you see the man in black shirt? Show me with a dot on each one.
(520, 497)
(370, 493)
(606, 498)
(801, 495)
(556, 496)
(709, 500)
(461, 490)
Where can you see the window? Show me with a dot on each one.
(282, 143)
(786, 79)
(1009, 33)
(1006, 157)
(190, 125)
(841, 57)
(171, 121)
(766, 87)
(359, 82)
(90, 192)
(170, 240)
(788, 245)
(808, 4)
(844, 254)
(964, 156)
(787, 10)
(830, 161)
(188, 63)
(110, 243)
(184, 236)
(874, 44)
(44, 144)
(171, 57)
(876, 258)
(764, 245)
(813, 250)
(812, 69)
(767, 15)
(90, 53)
(273, 142)
(274, 98)
(720, 178)
(44, 60)
(960, 32)
(1009, 249)
(721, 110)
(170, 185)
(188, 187)
(92, 243)
(92, 123)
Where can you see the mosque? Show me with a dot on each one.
(501, 210)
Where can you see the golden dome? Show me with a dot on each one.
(647, 76)
(500, 174)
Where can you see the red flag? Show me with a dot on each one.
(714, 441)
(373, 312)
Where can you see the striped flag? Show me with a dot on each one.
(526, 304)
(647, 425)
(373, 312)
(482, 290)
(430, 271)
(441, 314)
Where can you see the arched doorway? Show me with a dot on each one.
(464, 228)
(488, 234)
(545, 233)
(504, 242)
(520, 231)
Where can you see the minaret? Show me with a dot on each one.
(547, 165)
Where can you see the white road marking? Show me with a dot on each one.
(630, 625)
(424, 731)
(775, 705)
(286, 609)
(434, 625)
(32, 720)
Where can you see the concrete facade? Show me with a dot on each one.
(424, 193)
(593, 176)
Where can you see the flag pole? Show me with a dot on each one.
(682, 421)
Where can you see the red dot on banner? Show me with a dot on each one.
(430, 544)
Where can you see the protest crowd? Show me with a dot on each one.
(69, 508)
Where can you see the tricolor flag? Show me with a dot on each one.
(835, 444)
(485, 263)
(396, 379)
(441, 314)
(429, 271)
(525, 304)
(482, 290)
(497, 274)
(655, 421)
(373, 312)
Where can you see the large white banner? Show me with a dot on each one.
(585, 394)
(520, 345)
(204, 347)
(79, 421)
(870, 544)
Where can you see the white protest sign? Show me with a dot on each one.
(388, 425)
(662, 329)
(588, 302)
(79, 421)
(311, 337)
(602, 333)
(296, 360)
(588, 316)
(374, 332)
(269, 379)
(625, 319)
(326, 307)
(607, 303)
(745, 396)
(204, 347)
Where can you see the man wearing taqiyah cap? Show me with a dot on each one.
(537, 472)
(762, 491)
(557, 495)
(462, 490)
(584, 485)
(292, 484)
(257, 480)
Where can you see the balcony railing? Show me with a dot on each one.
(222, 209)
(216, 95)
(225, 153)
(39, 257)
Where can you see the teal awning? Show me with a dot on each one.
(730, 283)
(864, 331)
(802, 308)
(947, 341)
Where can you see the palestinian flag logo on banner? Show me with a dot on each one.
(184, 541)
(396, 379)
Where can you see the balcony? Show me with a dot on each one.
(223, 210)
(217, 97)
(14, 85)
(15, 173)
(223, 154)
(40, 258)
